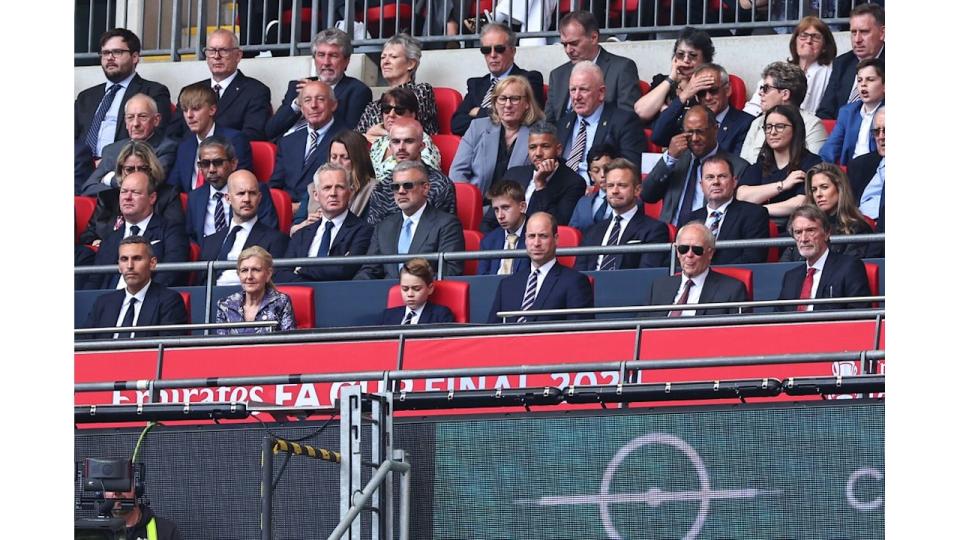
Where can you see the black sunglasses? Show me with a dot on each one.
(683, 249)
(399, 109)
(206, 163)
(485, 50)
(713, 91)
(407, 186)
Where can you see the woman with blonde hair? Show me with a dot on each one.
(258, 299)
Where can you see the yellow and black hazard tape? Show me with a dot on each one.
(306, 450)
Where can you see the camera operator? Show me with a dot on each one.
(141, 522)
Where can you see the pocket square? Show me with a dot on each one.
(154, 242)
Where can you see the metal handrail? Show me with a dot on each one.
(361, 499)
(174, 327)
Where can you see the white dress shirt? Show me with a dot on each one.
(230, 277)
(318, 237)
(816, 279)
(544, 270)
(223, 84)
(209, 219)
(864, 136)
(417, 312)
(693, 297)
(625, 219)
(141, 294)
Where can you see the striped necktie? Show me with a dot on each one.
(609, 262)
(579, 146)
(314, 139)
(93, 134)
(488, 98)
(219, 215)
(530, 294)
(683, 299)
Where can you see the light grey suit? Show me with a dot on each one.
(164, 147)
(477, 154)
(619, 76)
(667, 183)
(436, 231)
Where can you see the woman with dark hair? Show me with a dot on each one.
(776, 179)
(258, 299)
(416, 286)
(398, 103)
(829, 189)
(692, 48)
(813, 49)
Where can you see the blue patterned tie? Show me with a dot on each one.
(610, 260)
(530, 294)
(219, 216)
(314, 139)
(716, 216)
(93, 134)
(409, 318)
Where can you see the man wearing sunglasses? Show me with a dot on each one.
(696, 283)
(417, 228)
(710, 86)
(243, 103)
(498, 45)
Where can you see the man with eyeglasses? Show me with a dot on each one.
(696, 283)
(783, 83)
(498, 45)
(208, 206)
(867, 40)
(715, 95)
(418, 227)
(98, 110)
(243, 103)
(825, 273)
(580, 37)
(676, 178)
(331, 50)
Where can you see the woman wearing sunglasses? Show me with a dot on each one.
(493, 144)
(692, 48)
(776, 179)
(394, 104)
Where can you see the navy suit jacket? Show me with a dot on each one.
(169, 243)
(477, 89)
(160, 306)
(436, 231)
(432, 314)
(842, 276)
(197, 210)
(842, 77)
(843, 139)
(82, 165)
(562, 288)
(493, 241)
(182, 173)
(352, 98)
(244, 106)
(618, 128)
(666, 184)
(290, 172)
(716, 288)
(741, 221)
(89, 100)
(640, 230)
(619, 76)
(733, 129)
(353, 238)
(860, 171)
(269, 238)
(583, 215)
(559, 197)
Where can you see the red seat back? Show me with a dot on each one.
(652, 210)
(871, 222)
(264, 159)
(485, 5)
(83, 208)
(302, 298)
(743, 274)
(186, 303)
(455, 295)
(828, 125)
(284, 206)
(773, 253)
(873, 279)
(448, 100)
(183, 202)
(469, 205)
(672, 232)
(471, 241)
(651, 147)
(738, 92)
(389, 15)
(447, 145)
(569, 237)
(644, 85)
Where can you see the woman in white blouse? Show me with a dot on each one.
(813, 48)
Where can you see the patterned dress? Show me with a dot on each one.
(426, 115)
(275, 306)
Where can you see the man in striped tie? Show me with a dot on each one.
(547, 285)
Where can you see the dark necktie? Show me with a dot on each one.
(217, 88)
(683, 215)
(128, 318)
(325, 239)
(683, 298)
(806, 289)
(409, 318)
(134, 230)
(601, 212)
(530, 294)
(716, 216)
(488, 98)
(228, 243)
(579, 146)
(314, 139)
(93, 134)
(609, 261)
(219, 216)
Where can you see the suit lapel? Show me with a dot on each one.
(345, 232)
(230, 93)
(604, 126)
(548, 282)
(148, 311)
(826, 279)
(423, 230)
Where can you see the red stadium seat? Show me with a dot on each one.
(644, 85)
(652, 210)
(83, 208)
(738, 92)
(284, 206)
(651, 147)
(388, 16)
(569, 237)
(264, 159)
(828, 125)
(743, 274)
(873, 279)
(448, 100)
(871, 222)
(469, 205)
(773, 253)
(194, 256)
(186, 303)
(183, 202)
(485, 5)
(302, 298)
(672, 232)
(455, 295)
(447, 144)
(471, 241)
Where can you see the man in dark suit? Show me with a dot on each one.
(549, 185)
(301, 153)
(199, 105)
(168, 240)
(593, 208)
(628, 225)
(868, 172)
(676, 177)
(580, 37)
(417, 228)
(339, 232)
(548, 284)
(243, 103)
(696, 283)
(710, 84)
(208, 209)
(82, 165)
(245, 230)
(506, 200)
(867, 41)
(726, 217)
(141, 302)
(824, 274)
(142, 120)
(498, 44)
(430, 314)
(593, 122)
(331, 50)
(98, 110)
